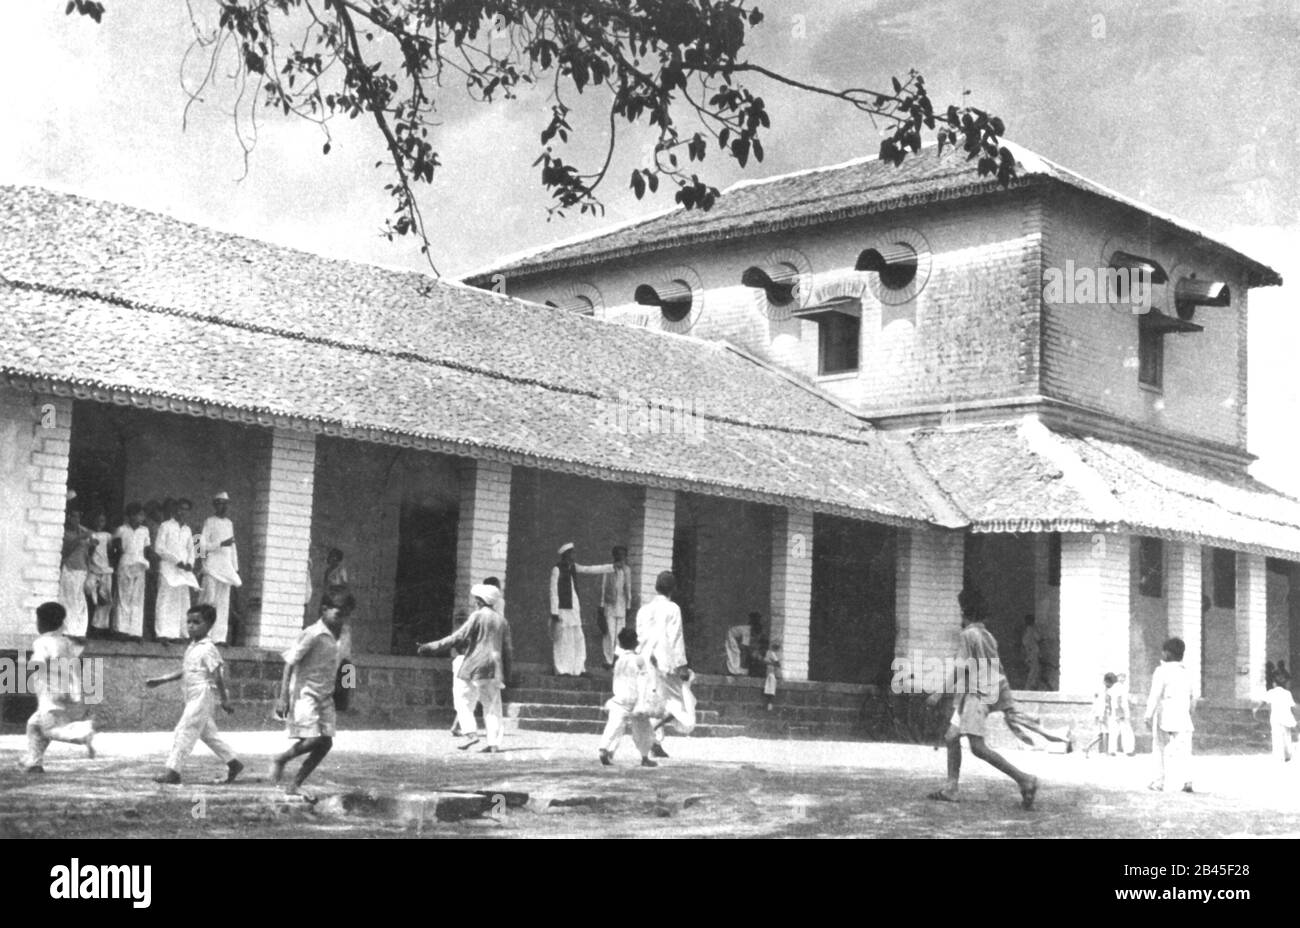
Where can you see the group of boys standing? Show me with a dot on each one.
(105, 580)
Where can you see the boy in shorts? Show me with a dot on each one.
(978, 694)
(307, 696)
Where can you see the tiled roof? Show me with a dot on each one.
(806, 198)
(107, 296)
(1023, 477)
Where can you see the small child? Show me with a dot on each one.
(1102, 709)
(1169, 713)
(462, 700)
(1122, 717)
(1281, 717)
(99, 580)
(631, 675)
(773, 661)
(201, 671)
(57, 674)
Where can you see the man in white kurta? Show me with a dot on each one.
(659, 629)
(175, 550)
(132, 541)
(569, 646)
(220, 564)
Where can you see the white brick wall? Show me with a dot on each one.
(791, 604)
(1252, 625)
(1095, 612)
(930, 572)
(35, 436)
(1183, 588)
(482, 527)
(650, 548)
(281, 516)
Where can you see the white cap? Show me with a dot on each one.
(485, 592)
(222, 495)
(567, 546)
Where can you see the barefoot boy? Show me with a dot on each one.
(205, 688)
(1169, 713)
(57, 673)
(307, 695)
(979, 692)
(631, 674)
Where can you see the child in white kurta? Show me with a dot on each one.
(132, 540)
(220, 564)
(1281, 718)
(773, 661)
(632, 675)
(55, 670)
(1169, 712)
(205, 689)
(175, 550)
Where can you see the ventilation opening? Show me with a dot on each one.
(673, 299)
(778, 282)
(1191, 292)
(895, 264)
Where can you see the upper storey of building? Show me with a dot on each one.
(925, 292)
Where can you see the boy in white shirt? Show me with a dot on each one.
(205, 685)
(132, 543)
(99, 581)
(1281, 717)
(56, 670)
(1169, 713)
(632, 673)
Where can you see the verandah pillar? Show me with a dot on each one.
(482, 527)
(1185, 613)
(792, 559)
(1095, 613)
(929, 579)
(1252, 625)
(282, 512)
(650, 544)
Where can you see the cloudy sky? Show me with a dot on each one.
(1190, 106)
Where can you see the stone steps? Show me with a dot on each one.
(589, 727)
(524, 710)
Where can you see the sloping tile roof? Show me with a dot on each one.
(106, 296)
(821, 195)
(1023, 477)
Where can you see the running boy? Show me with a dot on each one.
(57, 674)
(205, 688)
(1169, 713)
(981, 692)
(631, 675)
(307, 696)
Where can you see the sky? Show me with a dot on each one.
(1188, 105)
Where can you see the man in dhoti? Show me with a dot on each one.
(74, 567)
(131, 541)
(615, 601)
(569, 647)
(175, 550)
(220, 564)
(659, 629)
(741, 642)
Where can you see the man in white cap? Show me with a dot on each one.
(569, 646)
(220, 564)
(486, 638)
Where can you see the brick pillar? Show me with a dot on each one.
(1184, 592)
(35, 437)
(791, 605)
(482, 527)
(282, 506)
(1252, 625)
(929, 579)
(650, 545)
(1095, 614)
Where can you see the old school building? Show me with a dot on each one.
(835, 399)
